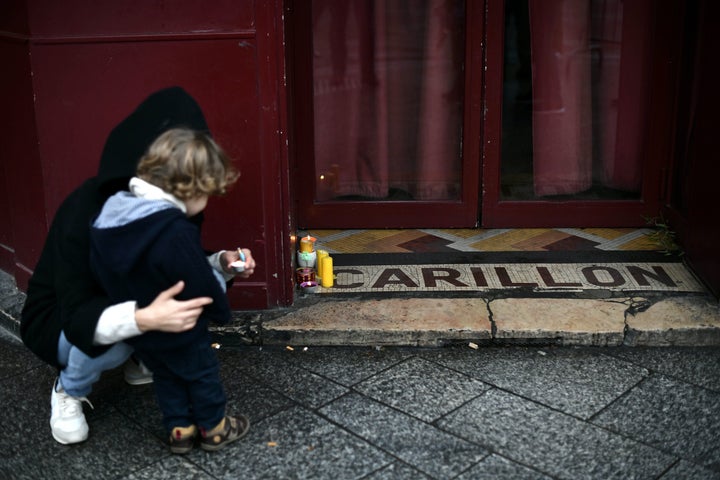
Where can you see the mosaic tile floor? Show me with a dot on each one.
(483, 240)
(530, 261)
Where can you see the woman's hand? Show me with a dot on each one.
(169, 315)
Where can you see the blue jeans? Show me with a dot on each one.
(80, 371)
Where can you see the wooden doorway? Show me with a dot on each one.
(435, 114)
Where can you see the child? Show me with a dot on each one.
(144, 241)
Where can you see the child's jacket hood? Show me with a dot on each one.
(128, 227)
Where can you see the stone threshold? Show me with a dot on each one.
(682, 320)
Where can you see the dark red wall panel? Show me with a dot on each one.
(23, 220)
(13, 17)
(86, 65)
(109, 18)
(83, 90)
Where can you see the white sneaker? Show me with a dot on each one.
(136, 373)
(67, 420)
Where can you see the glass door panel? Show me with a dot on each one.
(388, 99)
(381, 91)
(577, 128)
(575, 84)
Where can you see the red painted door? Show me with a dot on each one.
(541, 112)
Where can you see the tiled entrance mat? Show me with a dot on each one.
(618, 272)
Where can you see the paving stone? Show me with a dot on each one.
(26, 409)
(496, 467)
(689, 471)
(696, 365)
(422, 389)
(114, 447)
(347, 366)
(170, 468)
(15, 358)
(554, 443)
(245, 395)
(571, 321)
(397, 471)
(405, 437)
(669, 415)
(677, 321)
(136, 402)
(11, 299)
(579, 382)
(292, 381)
(303, 446)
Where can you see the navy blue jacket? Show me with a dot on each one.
(139, 259)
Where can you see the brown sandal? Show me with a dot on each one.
(227, 431)
(182, 439)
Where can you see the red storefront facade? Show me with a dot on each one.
(74, 70)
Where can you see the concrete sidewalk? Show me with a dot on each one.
(533, 412)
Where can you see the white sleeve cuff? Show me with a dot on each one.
(116, 323)
(214, 261)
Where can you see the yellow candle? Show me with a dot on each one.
(326, 271)
(307, 244)
(320, 255)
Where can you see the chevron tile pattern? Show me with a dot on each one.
(483, 240)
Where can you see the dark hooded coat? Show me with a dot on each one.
(63, 294)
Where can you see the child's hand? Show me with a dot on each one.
(231, 256)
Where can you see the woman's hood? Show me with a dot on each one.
(165, 109)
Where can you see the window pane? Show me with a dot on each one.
(388, 97)
(573, 103)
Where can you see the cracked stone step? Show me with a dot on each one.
(676, 321)
(569, 321)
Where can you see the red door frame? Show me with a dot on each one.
(498, 213)
(368, 214)
(692, 198)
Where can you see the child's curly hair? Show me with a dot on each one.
(187, 164)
